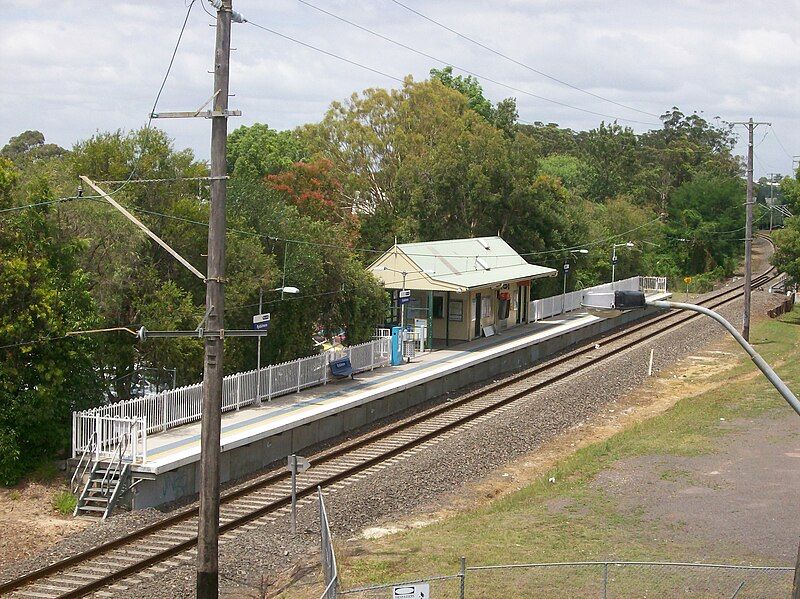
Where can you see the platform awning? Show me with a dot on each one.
(454, 265)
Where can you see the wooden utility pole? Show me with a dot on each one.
(748, 232)
(208, 526)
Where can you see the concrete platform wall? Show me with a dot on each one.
(184, 482)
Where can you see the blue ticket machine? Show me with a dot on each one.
(397, 346)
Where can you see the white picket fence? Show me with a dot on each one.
(559, 304)
(168, 409)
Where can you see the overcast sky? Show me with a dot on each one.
(70, 68)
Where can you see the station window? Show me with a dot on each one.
(438, 307)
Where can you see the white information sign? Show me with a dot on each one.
(419, 590)
(303, 464)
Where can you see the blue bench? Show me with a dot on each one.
(341, 368)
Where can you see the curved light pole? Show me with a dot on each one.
(762, 365)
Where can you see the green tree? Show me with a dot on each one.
(43, 294)
(30, 145)
(790, 191)
(503, 116)
(787, 257)
(258, 150)
(573, 172)
(707, 215)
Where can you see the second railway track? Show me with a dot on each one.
(113, 561)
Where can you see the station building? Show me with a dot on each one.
(461, 289)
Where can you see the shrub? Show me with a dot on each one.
(64, 502)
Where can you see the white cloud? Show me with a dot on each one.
(74, 67)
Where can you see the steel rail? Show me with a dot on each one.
(326, 456)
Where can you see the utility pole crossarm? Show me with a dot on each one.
(188, 114)
(142, 226)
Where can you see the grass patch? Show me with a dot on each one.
(14, 495)
(576, 520)
(64, 502)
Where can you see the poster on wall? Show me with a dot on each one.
(474, 308)
(455, 310)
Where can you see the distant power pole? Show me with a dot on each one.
(772, 177)
(208, 526)
(748, 235)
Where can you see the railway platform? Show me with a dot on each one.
(256, 436)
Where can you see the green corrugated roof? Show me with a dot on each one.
(468, 263)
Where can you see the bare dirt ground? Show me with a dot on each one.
(29, 522)
(744, 494)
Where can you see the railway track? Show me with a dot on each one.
(114, 561)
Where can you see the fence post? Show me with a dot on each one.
(74, 432)
(269, 383)
(98, 435)
(299, 365)
(605, 580)
(324, 356)
(372, 355)
(134, 440)
(238, 390)
(462, 575)
(144, 439)
(164, 399)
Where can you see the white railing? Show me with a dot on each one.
(658, 284)
(96, 436)
(559, 304)
(161, 411)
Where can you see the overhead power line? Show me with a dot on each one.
(778, 139)
(37, 204)
(468, 71)
(127, 329)
(148, 128)
(522, 64)
(331, 54)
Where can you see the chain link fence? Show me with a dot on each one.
(603, 580)
(567, 580)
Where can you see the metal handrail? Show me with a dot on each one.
(87, 453)
(122, 446)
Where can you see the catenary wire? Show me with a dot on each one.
(72, 334)
(148, 128)
(331, 54)
(519, 63)
(37, 204)
(778, 139)
(473, 73)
